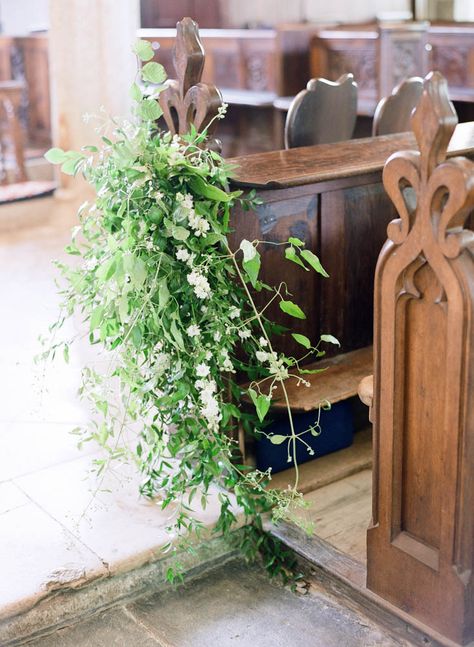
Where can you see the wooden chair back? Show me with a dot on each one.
(324, 113)
(420, 546)
(393, 113)
(11, 134)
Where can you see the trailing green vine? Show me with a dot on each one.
(173, 308)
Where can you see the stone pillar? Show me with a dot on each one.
(91, 65)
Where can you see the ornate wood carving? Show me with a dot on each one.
(421, 540)
(362, 63)
(187, 100)
(451, 62)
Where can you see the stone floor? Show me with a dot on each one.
(233, 605)
(60, 525)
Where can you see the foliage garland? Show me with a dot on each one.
(173, 307)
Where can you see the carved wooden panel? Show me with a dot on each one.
(402, 54)
(421, 541)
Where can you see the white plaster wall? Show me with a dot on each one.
(271, 12)
(464, 9)
(22, 16)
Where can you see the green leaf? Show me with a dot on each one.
(56, 156)
(201, 187)
(314, 261)
(248, 249)
(177, 335)
(143, 50)
(150, 110)
(291, 255)
(301, 339)
(330, 339)
(261, 403)
(252, 268)
(138, 273)
(296, 242)
(96, 317)
(153, 72)
(292, 309)
(277, 439)
(70, 166)
(163, 294)
(135, 92)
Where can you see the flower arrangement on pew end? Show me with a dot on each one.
(173, 308)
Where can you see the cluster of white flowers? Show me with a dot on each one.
(186, 206)
(276, 365)
(201, 286)
(199, 224)
(234, 312)
(183, 255)
(209, 404)
(227, 362)
(245, 333)
(193, 330)
(202, 370)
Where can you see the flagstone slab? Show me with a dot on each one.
(38, 555)
(106, 512)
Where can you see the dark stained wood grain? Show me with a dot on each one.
(393, 113)
(312, 164)
(421, 540)
(323, 113)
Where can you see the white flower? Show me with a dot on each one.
(186, 201)
(227, 362)
(244, 333)
(217, 336)
(149, 245)
(182, 254)
(208, 355)
(202, 370)
(158, 196)
(209, 404)
(193, 330)
(263, 342)
(234, 312)
(159, 345)
(261, 355)
(198, 224)
(202, 289)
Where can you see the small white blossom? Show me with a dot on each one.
(193, 330)
(217, 336)
(182, 254)
(263, 342)
(244, 333)
(261, 355)
(202, 370)
(234, 312)
(149, 245)
(158, 196)
(201, 286)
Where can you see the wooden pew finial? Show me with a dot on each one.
(420, 546)
(186, 100)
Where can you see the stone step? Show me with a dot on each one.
(344, 577)
(231, 606)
